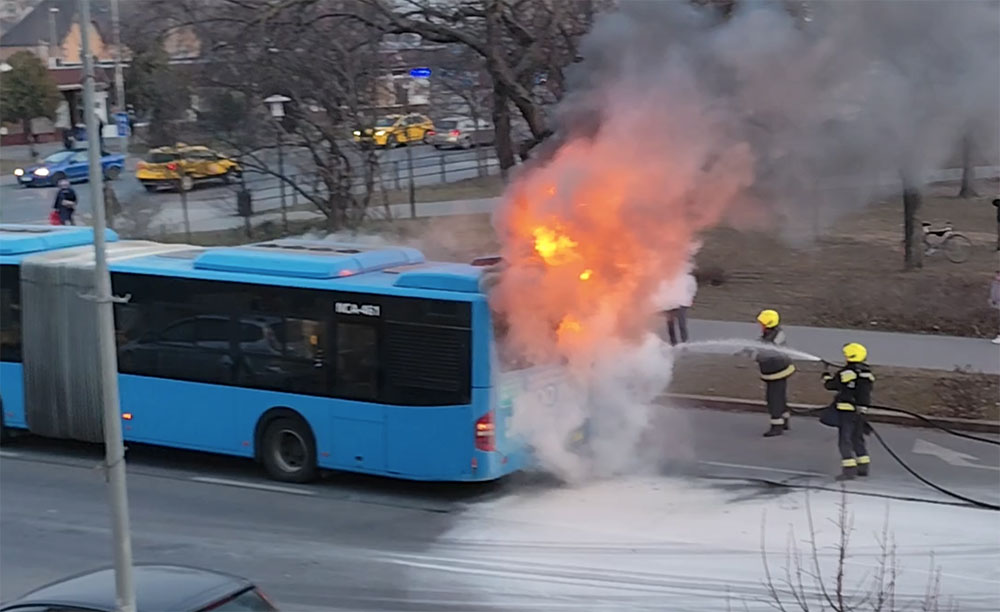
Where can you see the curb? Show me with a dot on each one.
(733, 404)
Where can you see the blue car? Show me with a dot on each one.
(72, 165)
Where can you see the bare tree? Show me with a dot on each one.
(912, 242)
(968, 168)
(325, 64)
(805, 585)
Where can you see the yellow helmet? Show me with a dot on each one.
(855, 352)
(768, 318)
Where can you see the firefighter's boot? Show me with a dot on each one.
(788, 419)
(847, 473)
(775, 430)
(863, 469)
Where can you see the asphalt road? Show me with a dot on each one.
(354, 543)
(212, 200)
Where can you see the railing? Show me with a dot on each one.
(388, 176)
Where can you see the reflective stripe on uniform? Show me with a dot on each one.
(864, 460)
(849, 462)
(785, 373)
(786, 415)
(845, 406)
(847, 376)
(867, 375)
(777, 421)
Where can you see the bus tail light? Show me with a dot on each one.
(486, 439)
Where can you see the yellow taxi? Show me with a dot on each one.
(394, 130)
(186, 165)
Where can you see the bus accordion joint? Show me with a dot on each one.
(486, 433)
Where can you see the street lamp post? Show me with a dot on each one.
(276, 104)
(114, 446)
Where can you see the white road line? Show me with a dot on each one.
(9, 454)
(252, 485)
(760, 468)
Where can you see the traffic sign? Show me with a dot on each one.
(121, 119)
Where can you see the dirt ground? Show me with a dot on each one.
(929, 392)
(853, 276)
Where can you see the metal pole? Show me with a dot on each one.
(413, 198)
(119, 76)
(281, 183)
(114, 447)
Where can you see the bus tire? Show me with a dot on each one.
(288, 450)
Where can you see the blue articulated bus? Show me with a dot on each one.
(304, 355)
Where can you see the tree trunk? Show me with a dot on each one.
(30, 136)
(968, 169)
(912, 244)
(501, 126)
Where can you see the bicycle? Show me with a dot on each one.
(956, 246)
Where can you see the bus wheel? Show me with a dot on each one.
(289, 450)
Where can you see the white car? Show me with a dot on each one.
(461, 132)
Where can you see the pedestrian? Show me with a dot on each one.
(65, 204)
(112, 207)
(67, 139)
(775, 369)
(853, 386)
(677, 316)
(995, 302)
(996, 204)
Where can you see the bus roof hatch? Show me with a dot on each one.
(306, 259)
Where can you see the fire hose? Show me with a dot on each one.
(869, 428)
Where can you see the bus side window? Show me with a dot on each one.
(10, 315)
(357, 361)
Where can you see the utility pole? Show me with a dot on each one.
(119, 76)
(114, 447)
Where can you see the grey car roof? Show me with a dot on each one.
(157, 588)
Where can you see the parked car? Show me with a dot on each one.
(185, 165)
(393, 130)
(461, 132)
(157, 587)
(73, 164)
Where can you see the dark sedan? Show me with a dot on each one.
(158, 588)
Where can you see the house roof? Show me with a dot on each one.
(34, 27)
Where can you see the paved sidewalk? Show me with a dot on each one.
(884, 348)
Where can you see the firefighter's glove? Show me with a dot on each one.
(868, 429)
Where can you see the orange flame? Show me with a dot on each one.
(554, 247)
(586, 259)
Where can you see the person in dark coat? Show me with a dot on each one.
(853, 387)
(65, 203)
(775, 369)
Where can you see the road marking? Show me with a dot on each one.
(9, 454)
(252, 485)
(949, 456)
(761, 468)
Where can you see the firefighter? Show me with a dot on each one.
(775, 368)
(853, 385)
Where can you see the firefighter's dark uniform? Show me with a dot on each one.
(775, 368)
(853, 384)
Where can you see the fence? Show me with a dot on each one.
(395, 171)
